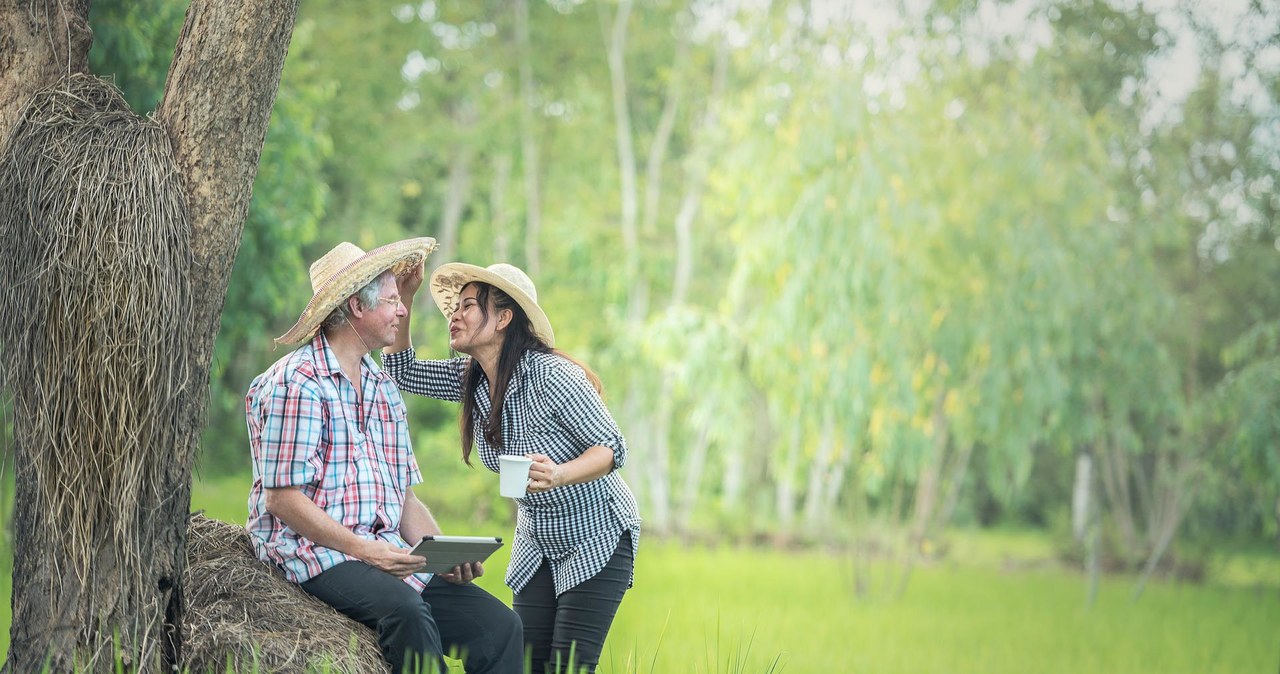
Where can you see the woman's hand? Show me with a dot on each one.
(409, 283)
(544, 474)
(464, 573)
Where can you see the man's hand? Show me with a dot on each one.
(387, 557)
(465, 573)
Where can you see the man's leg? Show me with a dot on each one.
(407, 632)
(486, 633)
(585, 612)
(536, 606)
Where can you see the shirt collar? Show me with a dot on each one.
(327, 364)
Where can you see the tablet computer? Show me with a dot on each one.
(445, 552)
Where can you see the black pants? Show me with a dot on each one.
(414, 630)
(578, 620)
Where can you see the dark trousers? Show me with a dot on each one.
(578, 620)
(415, 630)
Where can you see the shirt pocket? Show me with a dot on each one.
(388, 432)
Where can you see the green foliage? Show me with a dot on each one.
(919, 247)
(269, 285)
(133, 43)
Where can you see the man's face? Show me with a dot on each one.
(378, 324)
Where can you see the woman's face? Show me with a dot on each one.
(470, 330)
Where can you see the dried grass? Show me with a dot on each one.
(242, 611)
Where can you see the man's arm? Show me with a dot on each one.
(302, 515)
(416, 521)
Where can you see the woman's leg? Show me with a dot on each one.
(536, 606)
(585, 612)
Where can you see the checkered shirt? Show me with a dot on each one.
(550, 409)
(355, 462)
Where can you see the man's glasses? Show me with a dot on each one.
(394, 300)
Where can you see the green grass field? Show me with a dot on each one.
(699, 609)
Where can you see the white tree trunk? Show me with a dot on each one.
(529, 145)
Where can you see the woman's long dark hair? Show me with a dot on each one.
(519, 338)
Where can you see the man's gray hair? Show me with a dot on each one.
(366, 296)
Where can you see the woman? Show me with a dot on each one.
(577, 529)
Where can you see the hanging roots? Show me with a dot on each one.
(95, 300)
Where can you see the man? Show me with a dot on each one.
(331, 503)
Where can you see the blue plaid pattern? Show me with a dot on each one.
(355, 462)
(550, 409)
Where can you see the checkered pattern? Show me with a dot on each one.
(550, 409)
(306, 430)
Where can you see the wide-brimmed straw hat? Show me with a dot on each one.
(346, 269)
(448, 279)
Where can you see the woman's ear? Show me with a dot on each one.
(504, 319)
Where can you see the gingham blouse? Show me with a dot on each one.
(552, 409)
(354, 461)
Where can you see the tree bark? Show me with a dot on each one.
(40, 42)
(217, 103)
(458, 187)
(498, 207)
(529, 145)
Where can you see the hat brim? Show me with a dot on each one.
(399, 257)
(448, 280)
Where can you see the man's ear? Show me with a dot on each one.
(353, 307)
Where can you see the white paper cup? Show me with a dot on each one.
(513, 478)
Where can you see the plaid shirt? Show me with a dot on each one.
(355, 462)
(550, 408)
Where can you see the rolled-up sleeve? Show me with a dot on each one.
(441, 379)
(292, 426)
(582, 413)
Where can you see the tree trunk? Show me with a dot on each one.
(784, 480)
(127, 594)
(498, 207)
(615, 34)
(819, 470)
(529, 145)
(928, 488)
(40, 42)
(458, 187)
(662, 138)
(693, 468)
(659, 461)
(698, 166)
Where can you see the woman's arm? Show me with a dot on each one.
(440, 379)
(408, 286)
(592, 464)
(583, 416)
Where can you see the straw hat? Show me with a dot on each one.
(346, 269)
(448, 279)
